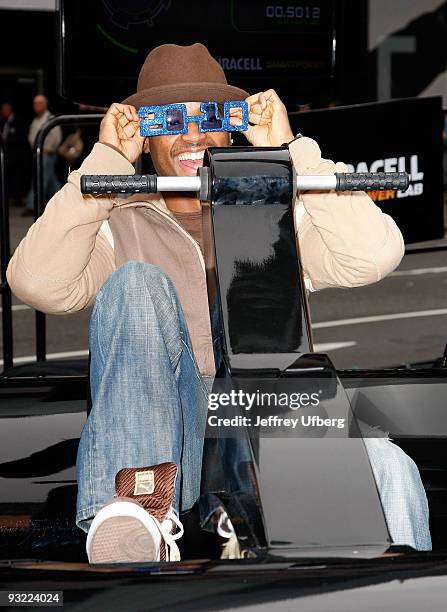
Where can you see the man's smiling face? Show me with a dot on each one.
(182, 154)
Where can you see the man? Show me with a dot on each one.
(141, 259)
(51, 143)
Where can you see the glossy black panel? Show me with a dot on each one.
(391, 583)
(317, 489)
(262, 297)
(301, 489)
(40, 423)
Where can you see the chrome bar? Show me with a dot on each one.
(316, 182)
(178, 183)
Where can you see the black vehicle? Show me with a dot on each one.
(306, 512)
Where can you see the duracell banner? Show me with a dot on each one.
(394, 136)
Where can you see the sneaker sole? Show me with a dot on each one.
(122, 534)
(122, 539)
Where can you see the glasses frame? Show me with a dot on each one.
(160, 118)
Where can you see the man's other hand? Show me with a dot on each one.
(120, 128)
(267, 116)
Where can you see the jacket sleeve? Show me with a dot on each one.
(344, 239)
(64, 258)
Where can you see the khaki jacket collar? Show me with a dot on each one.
(149, 200)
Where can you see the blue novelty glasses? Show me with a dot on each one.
(171, 119)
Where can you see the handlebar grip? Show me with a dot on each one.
(368, 181)
(107, 183)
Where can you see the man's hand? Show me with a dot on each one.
(267, 115)
(120, 128)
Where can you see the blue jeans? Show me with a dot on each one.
(150, 406)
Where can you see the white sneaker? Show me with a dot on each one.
(230, 548)
(124, 532)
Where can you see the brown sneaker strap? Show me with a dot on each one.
(153, 487)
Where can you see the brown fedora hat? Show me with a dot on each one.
(172, 73)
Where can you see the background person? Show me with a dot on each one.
(50, 146)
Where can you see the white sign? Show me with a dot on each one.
(28, 5)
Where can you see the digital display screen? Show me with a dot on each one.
(260, 44)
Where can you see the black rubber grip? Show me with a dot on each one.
(103, 183)
(369, 181)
